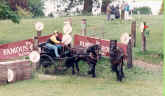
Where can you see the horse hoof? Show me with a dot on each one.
(94, 76)
(73, 73)
(89, 72)
(119, 79)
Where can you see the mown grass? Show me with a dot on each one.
(10, 32)
(138, 82)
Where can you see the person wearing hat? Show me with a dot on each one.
(54, 43)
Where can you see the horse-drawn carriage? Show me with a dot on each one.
(69, 57)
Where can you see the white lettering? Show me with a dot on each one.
(20, 50)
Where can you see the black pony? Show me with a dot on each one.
(116, 59)
(89, 55)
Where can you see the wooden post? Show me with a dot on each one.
(35, 48)
(133, 33)
(39, 33)
(144, 39)
(129, 53)
(83, 27)
(39, 27)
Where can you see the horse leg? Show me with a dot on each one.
(90, 68)
(93, 71)
(73, 72)
(115, 69)
(122, 73)
(77, 67)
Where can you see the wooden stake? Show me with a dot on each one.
(129, 52)
(144, 39)
(133, 33)
(83, 27)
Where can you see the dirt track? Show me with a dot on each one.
(148, 66)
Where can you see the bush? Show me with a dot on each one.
(143, 10)
(23, 13)
(7, 13)
(36, 7)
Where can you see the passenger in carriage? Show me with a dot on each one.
(54, 43)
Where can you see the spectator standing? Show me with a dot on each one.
(117, 12)
(126, 8)
(122, 11)
(112, 14)
(108, 12)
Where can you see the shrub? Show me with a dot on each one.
(23, 13)
(143, 10)
(36, 7)
(7, 13)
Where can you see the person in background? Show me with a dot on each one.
(54, 43)
(126, 8)
(117, 12)
(112, 12)
(108, 12)
(122, 11)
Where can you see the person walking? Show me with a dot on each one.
(126, 8)
(122, 11)
(108, 11)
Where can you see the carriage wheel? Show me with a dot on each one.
(45, 62)
(60, 67)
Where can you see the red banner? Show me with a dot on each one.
(85, 41)
(20, 48)
(24, 47)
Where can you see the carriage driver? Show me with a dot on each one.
(54, 43)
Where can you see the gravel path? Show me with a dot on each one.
(148, 66)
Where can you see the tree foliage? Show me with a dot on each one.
(21, 3)
(36, 7)
(7, 13)
(162, 8)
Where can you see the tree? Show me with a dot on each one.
(88, 4)
(162, 8)
(36, 7)
(7, 13)
(21, 3)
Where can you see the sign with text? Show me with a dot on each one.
(20, 48)
(24, 47)
(85, 41)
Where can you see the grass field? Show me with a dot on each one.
(138, 82)
(10, 32)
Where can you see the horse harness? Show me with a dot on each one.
(116, 55)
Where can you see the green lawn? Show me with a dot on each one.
(10, 32)
(138, 82)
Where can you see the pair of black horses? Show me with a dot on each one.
(91, 55)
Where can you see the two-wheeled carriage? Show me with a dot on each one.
(48, 58)
(69, 57)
